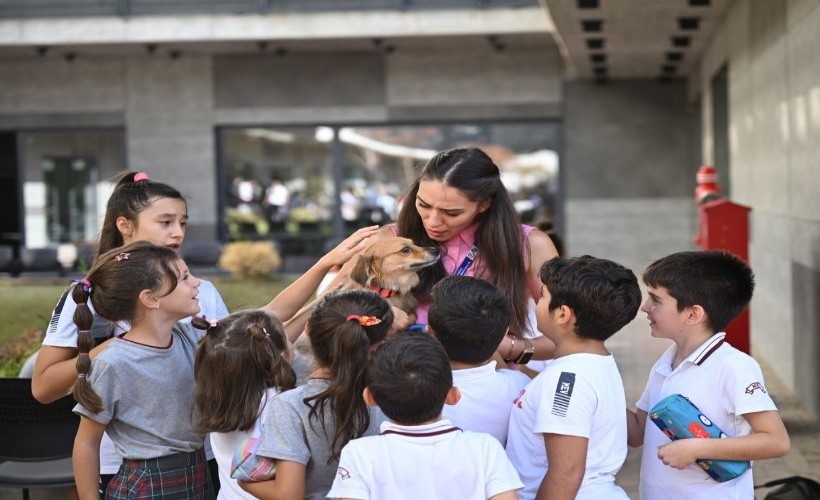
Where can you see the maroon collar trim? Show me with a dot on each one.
(422, 434)
(703, 357)
(382, 292)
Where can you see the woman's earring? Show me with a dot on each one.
(157, 305)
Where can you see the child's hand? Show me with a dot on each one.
(679, 454)
(349, 247)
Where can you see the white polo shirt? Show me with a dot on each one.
(724, 384)
(434, 460)
(576, 395)
(487, 396)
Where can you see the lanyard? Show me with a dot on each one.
(468, 261)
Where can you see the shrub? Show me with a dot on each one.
(250, 259)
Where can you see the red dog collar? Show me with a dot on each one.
(383, 292)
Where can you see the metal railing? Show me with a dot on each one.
(11, 9)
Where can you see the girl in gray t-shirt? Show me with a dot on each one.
(309, 425)
(140, 388)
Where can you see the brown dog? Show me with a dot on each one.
(388, 267)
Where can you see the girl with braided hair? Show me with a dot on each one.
(140, 388)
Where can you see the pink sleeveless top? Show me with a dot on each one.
(453, 252)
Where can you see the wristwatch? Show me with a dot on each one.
(526, 354)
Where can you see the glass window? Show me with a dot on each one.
(66, 182)
(280, 183)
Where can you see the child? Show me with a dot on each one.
(138, 209)
(419, 454)
(692, 297)
(311, 424)
(568, 428)
(241, 364)
(140, 388)
(469, 317)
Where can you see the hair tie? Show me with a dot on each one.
(213, 323)
(122, 256)
(85, 284)
(81, 304)
(141, 176)
(364, 320)
(83, 331)
(81, 375)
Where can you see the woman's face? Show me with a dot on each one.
(162, 222)
(444, 210)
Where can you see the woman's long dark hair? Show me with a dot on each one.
(341, 346)
(501, 244)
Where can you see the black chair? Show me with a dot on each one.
(36, 440)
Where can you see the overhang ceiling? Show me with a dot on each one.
(633, 39)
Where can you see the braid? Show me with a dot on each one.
(83, 391)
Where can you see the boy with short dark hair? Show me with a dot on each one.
(470, 317)
(419, 454)
(692, 297)
(568, 429)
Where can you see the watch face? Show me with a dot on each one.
(524, 358)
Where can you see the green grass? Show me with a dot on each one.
(27, 305)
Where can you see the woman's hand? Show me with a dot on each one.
(349, 247)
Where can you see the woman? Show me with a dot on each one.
(459, 204)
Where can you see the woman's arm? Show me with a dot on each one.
(288, 485)
(86, 458)
(541, 250)
(292, 298)
(55, 371)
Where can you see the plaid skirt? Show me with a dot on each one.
(177, 476)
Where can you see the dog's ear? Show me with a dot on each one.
(363, 269)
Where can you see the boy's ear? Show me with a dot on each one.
(564, 315)
(124, 226)
(697, 314)
(453, 396)
(368, 397)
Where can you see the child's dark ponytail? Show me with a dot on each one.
(342, 330)
(83, 392)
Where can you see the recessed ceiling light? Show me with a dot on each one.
(595, 43)
(681, 41)
(592, 25)
(588, 4)
(689, 23)
(597, 58)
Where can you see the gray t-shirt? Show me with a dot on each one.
(148, 394)
(288, 434)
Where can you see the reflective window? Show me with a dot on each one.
(281, 183)
(66, 182)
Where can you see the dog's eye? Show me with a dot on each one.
(405, 250)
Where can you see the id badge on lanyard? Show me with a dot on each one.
(468, 261)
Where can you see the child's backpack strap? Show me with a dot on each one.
(792, 488)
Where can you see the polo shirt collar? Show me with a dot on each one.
(706, 349)
(436, 428)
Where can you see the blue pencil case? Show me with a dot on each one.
(678, 418)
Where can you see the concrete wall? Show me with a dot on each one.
(170, 108)
(628, 170)
(774, 135)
